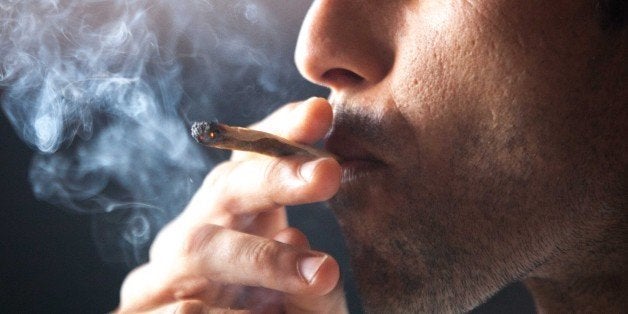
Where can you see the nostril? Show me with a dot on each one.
(341, 77)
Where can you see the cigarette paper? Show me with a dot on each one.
(218, 135)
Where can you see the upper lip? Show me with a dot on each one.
(349, 148)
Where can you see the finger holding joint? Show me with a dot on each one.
(268, 183)
(306, 122)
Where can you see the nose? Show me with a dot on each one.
(344, 44)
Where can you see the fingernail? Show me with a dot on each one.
(309, 266)
(306, 171)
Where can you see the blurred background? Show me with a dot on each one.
(97, 99)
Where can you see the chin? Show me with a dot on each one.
(402, 252)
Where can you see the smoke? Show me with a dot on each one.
(105, 92)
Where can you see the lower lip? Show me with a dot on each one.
(356, 169)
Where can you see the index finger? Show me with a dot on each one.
(305, 122)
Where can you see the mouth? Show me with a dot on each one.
(359, 161)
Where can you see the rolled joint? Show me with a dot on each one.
(218, 135)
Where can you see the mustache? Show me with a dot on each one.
(358, 123)
(378, 129)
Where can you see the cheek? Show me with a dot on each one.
(463, 86)
(433, 95)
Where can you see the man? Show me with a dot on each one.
(483, 143)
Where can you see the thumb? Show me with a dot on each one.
(333, 302)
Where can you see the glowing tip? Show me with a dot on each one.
(205, 132)
(199, 129)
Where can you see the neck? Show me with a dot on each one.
(605, 293)
(590, 279)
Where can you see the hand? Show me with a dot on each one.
(232, 248)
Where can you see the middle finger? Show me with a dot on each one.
(215, 254)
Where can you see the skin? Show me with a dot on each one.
(485, 144)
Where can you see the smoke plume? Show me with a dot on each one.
(105, 92)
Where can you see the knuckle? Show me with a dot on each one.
(260, 254)
(198, 239)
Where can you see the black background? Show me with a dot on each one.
(49, 260)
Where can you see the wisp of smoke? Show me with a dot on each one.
(105, 90)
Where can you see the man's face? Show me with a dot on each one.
(467, 133)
